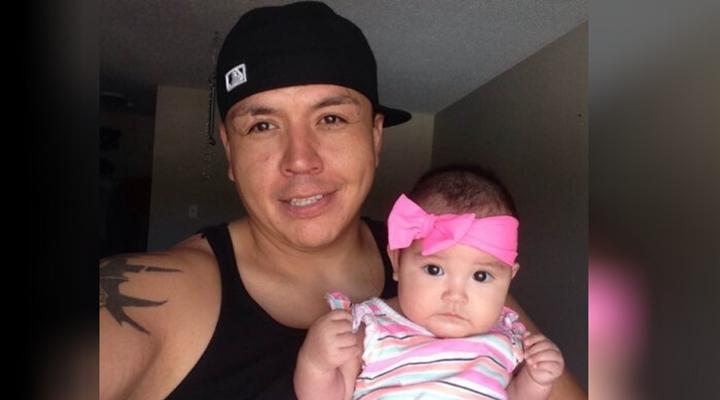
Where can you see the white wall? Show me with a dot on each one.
(406, 154)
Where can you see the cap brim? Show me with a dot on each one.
(393, 116)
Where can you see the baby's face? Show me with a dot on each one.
(456, 292)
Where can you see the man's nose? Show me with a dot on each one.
(301, 152)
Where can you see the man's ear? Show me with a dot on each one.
(515, 267)
(394, 256)
(226, 145)
(377, 136)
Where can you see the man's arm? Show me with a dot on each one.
(522, 387)
(125, 358)
(148, 304)
(127, 345)
(566, 387)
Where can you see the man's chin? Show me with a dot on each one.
(313, 237)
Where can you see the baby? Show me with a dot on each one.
(448, 334)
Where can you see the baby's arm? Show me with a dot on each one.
(329, 359)
(543, 366)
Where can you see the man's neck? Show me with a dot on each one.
(284, 258)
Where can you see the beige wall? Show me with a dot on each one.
(132, 167)
(178, 165)
(530, 125)
(179, 162)
(133, 157)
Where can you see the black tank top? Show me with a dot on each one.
(251, 356)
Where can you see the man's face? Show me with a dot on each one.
(456, 292)
(303, 160)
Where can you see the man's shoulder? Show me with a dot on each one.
(178, 280)
(193, 252)
(192, 255)
(158, 312)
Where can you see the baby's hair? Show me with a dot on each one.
(462, 189)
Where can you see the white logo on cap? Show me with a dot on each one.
(235, 77)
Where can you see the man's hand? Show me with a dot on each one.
(544, 362)
(330, 342)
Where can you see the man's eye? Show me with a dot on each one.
(332, 120)
(262, 127)
(482, 276)
(433, 270)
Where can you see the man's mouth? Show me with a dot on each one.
(305, 201)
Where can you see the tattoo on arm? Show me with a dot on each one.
(112, 275)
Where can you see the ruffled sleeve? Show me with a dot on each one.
(361, 313)
(509, 325)
(338, 301)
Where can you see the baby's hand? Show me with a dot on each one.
(543, 361)
(330, 341)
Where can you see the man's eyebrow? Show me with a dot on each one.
(254, 110)
(336, 101)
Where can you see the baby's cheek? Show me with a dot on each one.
(413, 310)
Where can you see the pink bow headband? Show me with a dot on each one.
(496, 236)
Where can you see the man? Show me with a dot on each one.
(223, 314)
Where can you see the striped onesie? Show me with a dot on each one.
(403, 360)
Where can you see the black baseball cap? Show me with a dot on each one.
(298, 44)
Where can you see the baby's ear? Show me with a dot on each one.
(515, 267)
(394, 256)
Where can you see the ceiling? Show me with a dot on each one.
(429, 53)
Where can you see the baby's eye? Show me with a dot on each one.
(433, 270)
(262, 127)
(482, 276)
